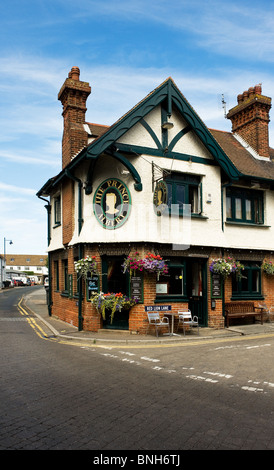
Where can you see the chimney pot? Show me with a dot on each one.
(250, 119)
(73, 96)
(258, 89)
(250, 91)
(74, 73)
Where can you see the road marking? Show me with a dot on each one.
(219, 374)
(32, 322)
(199, 377)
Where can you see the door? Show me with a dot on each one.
(114, 281)
(197, 289)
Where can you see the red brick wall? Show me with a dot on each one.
(73, 96)
(67, 211)
(250, 119)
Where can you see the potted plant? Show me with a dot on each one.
(114, 302)
(226, 266)
(268, 267)
(86, 266)
(150, 263)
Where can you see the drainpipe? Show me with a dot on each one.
(80, 292)
(49, 291)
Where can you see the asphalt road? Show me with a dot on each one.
(55, 395)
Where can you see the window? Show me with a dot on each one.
(249, 286)
(243, 205)
(184, 189)
(57, 210)
(65, 274)
(56, 275)
(173, 284)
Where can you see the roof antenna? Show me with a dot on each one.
(224, 105)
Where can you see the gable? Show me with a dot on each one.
(164, 100)
(163, 103)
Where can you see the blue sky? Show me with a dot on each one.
(124, 50)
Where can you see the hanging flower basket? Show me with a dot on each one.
(113, 302)
(86, 266)
(226, 266)
(150, 263)
(268, 267)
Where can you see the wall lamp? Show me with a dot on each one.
(167, 125)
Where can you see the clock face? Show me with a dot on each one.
(112, 203)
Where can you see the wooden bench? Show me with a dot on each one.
(242, 310)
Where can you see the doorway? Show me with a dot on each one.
(197, 289)
(114, 281)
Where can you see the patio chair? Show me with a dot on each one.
(269, 311)
(187, 321)
(155, 320)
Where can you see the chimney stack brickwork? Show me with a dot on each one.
(250, 119)
(73, 96)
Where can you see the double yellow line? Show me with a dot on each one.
(38, 330)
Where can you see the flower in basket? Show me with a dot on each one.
(151, 263)
(237, 268)
(132, 263)
(114, 302)
(268, 267)
(85, 266)
(154, 263)
(226, 266)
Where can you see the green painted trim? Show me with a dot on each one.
(130, 167)
(178, 137)
(121, 158)
(160, 153)
(151, 132)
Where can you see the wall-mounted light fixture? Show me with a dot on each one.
(167, 125)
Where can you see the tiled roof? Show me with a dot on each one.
(96, 130)
(26, 260)
(242, 158)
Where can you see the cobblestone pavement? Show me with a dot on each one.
(212, 393)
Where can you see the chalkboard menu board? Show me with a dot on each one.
(136, 287)
(216, 286)
(92, 285)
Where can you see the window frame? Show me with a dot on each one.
(57, 210)
(56, 275)
(241, 196)
(189, 183)
(65, 290)
(238, 291)
(164, 278)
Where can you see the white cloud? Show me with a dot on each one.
(16, 189)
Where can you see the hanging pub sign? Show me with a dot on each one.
(112, 203)
(160, 197)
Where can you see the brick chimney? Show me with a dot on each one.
(73, 96)
(250, 119)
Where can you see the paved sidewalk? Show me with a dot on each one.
(36, 304)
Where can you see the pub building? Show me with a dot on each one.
(159, 205)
